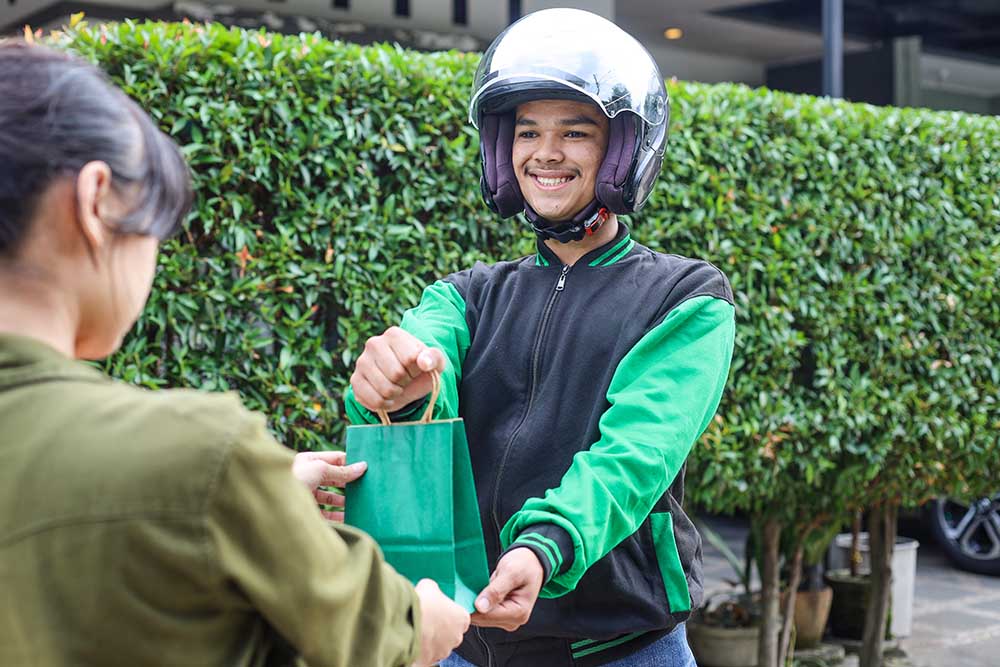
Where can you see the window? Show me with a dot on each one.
(403, 8)
(514, 9)
(460, 12)
(341, 4)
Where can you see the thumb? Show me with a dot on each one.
(339, 475)
(497, 590)
(428, 585)
(431, 359)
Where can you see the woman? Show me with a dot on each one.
(136, 527)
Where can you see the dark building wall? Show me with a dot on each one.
(868, 77)
(944, 100)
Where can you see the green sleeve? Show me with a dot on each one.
(437, 321)
(662, 396)
(323, 587)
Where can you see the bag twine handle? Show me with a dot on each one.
(426, 418)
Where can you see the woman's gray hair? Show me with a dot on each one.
(57, 113)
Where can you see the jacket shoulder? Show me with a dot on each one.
(120, 450)
(480, 275)
(175, 417)
(682, 278)
(187, 430)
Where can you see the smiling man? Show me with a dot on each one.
(584, 373)
(558, 148)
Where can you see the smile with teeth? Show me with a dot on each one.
(549, 182)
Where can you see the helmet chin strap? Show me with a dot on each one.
(584, 223)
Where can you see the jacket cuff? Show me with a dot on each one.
(552, 545)
(410, 619)
(409, 412)
(358, 414)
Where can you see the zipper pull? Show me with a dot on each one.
(562, 279)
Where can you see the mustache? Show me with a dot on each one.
(574, 172)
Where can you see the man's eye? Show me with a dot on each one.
(527, 134)
(573, 134)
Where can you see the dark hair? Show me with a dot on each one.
(57, 113)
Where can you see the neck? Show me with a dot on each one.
(571, 251)
(30, 306)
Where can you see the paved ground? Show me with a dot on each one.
(956, 615)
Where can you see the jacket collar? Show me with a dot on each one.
(608, 253)
(26, 360)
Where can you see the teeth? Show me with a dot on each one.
(552, 181)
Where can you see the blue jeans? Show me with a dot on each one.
(671, 650)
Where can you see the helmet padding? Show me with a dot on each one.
(613, 174)
(497, 143)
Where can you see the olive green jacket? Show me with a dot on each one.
(166, 528)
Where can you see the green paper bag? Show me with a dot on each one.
(418, 501)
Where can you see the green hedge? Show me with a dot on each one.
(334, 181)
(864, 247)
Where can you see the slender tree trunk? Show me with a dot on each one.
(881, 543)
(794, 577)
(855, 558)
(767, 648)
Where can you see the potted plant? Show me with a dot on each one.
(851, 590)
(813, 597)
(812, 607)
(725, 632)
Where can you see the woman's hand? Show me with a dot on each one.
(443, 624)
(327, 469)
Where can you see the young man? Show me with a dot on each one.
(584, 373)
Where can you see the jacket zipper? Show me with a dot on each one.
(535, 353)
(486, 647)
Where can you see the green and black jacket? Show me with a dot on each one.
(583, 388)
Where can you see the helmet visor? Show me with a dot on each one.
(581, 52)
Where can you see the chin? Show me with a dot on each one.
(97, 350)
(558, 216)
(556, 213)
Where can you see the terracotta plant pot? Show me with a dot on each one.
(715, 646)
(812, 610)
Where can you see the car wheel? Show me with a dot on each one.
(969, 533)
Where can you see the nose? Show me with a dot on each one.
(549, 148)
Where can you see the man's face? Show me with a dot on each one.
(558, 147)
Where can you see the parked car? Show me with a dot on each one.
(968, 532)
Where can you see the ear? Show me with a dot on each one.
(93, 188)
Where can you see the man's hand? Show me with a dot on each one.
(443, 624)
(319, 469)
(511, 594)
(394, 371)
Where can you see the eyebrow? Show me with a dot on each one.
(576, 120)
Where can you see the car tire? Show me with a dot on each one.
(969, 533)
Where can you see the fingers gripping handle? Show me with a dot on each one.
(428, 413)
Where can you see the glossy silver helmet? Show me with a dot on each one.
(572, 54)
